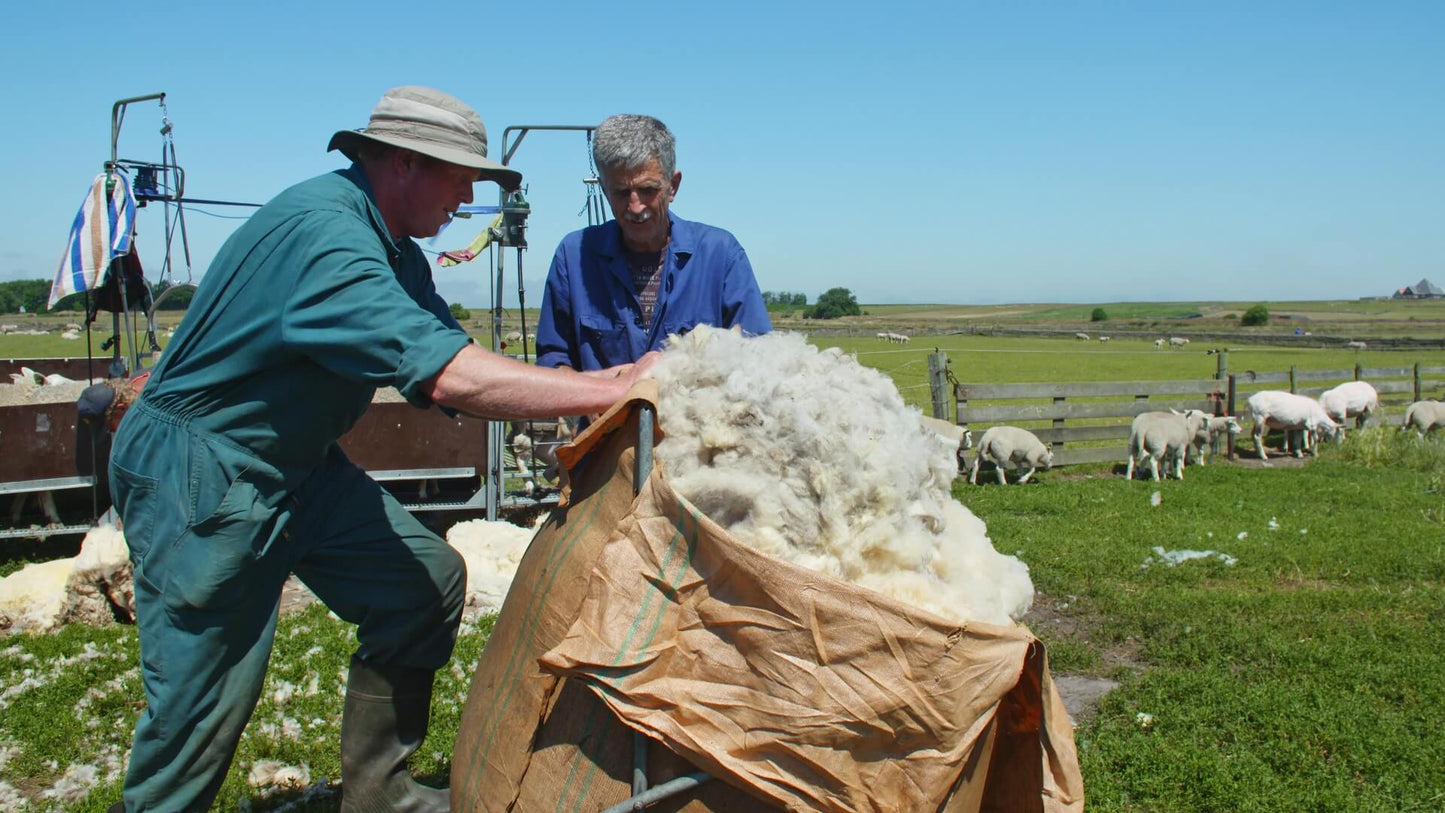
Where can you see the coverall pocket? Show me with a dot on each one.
(134, 496)
(609, 341)
(209, 565)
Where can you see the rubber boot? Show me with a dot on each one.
(383, 722)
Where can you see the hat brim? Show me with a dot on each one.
(347, 142)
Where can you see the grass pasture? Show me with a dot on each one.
(1305, 675)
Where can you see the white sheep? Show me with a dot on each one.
(1158, 344)
(1083, 337)
(1163, 436)
(537, 441)
(1352, 399)
(1177, 341)
(1276, 409)
(884, 336)
(1103, 339)
(1424, 417)
(956, 438)
(1004, 445)
(1355, 345)
(1215, 427)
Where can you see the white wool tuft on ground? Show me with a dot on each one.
(267, 773)
(492, 551)
(808, 456)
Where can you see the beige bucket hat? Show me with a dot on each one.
(431, 123)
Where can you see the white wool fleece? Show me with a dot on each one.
(808, 456)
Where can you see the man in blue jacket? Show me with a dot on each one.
(228, 478)
(618, 290)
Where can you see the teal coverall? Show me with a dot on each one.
(227, 475)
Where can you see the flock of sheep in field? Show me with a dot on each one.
(1165, 441)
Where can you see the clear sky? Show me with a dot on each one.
(967, 153)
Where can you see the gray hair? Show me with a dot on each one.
(627, 141)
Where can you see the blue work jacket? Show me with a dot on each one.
(591, 318)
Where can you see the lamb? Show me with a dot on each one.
(1424, 417)
(1083, 337)
(1353, 399)
(1002, 445)
(1215, 426)
(537, 441)
(1158, 344)
(1176, 341)
(1164, 436)
(1355, 345)
(1103, 339)
(1276, 409)
(956, 438)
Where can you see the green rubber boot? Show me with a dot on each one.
(384, 721)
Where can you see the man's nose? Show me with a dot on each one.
(467, 194)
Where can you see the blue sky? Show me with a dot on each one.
(982, 153)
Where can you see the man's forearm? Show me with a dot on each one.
(486, 385)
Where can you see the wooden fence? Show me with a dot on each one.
(1084, 416)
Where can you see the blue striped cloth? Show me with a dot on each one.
(101, 232)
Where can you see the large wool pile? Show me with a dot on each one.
(94, 587)
(808, 456)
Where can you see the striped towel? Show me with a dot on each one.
(101, 232)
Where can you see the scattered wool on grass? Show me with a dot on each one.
(808, 456)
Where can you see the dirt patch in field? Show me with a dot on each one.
(1066, 618)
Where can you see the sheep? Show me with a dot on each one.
(1177, 341)
(1158, 344)
(887, 337)
(1355, 345)
(1103, 339)
(1353, 399)
(39, 379)
(1002, 445)
(1164, 436)
(1284, 410)
(956, 438)
(1223, 425)
(534, 441)
(1083, 337)
(1424, 417)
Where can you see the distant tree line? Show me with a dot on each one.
(783, 300)
(32, 294)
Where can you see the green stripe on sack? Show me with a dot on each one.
(558, 555)
(671, 582)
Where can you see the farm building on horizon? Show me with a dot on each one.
(1424, 289)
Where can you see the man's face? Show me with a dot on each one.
(434, 191)
(639, 199)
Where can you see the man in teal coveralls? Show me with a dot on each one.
(228, 477)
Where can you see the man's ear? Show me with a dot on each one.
(676, 182)
(405, 161)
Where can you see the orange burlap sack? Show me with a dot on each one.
(793, 689)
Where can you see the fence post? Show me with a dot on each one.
(1222, 370)
(938, 382)
(1359, 371)
(1229, 440)
(1292, 387)
(1417, 381)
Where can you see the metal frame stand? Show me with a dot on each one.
(642, 796)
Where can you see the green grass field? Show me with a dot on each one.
(1307, 675)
